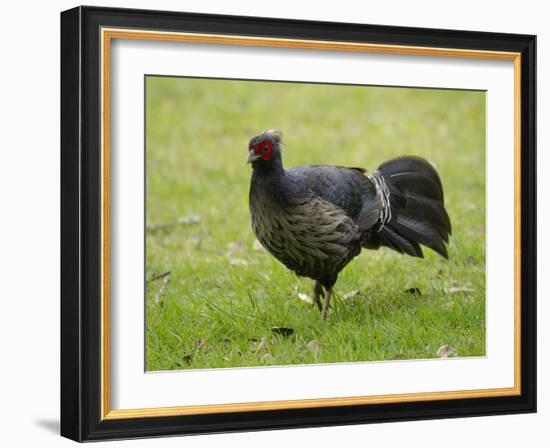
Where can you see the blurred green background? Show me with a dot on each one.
(214, 298)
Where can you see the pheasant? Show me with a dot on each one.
(315, 219)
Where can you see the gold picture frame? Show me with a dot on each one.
(108, 30)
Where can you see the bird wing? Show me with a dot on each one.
(341, 186)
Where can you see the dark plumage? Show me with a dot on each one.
(315, 219)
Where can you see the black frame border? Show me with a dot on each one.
(81, 223)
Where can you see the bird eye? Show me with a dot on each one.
(265, 149)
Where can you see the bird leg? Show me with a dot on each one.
(326, 303)
(317, 293)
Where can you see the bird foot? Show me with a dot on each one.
(318, 291)
(326, 304)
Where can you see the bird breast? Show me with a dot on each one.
(307, 234)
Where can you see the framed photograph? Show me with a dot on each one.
(273, 223)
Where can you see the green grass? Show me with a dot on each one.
(223, 295)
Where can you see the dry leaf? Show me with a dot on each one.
(456, 289)
(238, 262)
(160, 276)
(351, 294)
(314, 346)
(184, 220)
(233, 246)
(261, 346)
(305, 297)
(159, 295)
(189, 219)
(199, 344)
(445, 351)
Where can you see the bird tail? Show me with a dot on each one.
(411, 207)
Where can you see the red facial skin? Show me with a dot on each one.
(265, 149)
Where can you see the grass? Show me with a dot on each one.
(223, 296)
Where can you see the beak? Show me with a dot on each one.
(252, 156)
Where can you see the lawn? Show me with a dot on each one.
(215, 298)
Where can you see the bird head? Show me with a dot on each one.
(264, 150)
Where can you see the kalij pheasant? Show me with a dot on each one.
(316, 218)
